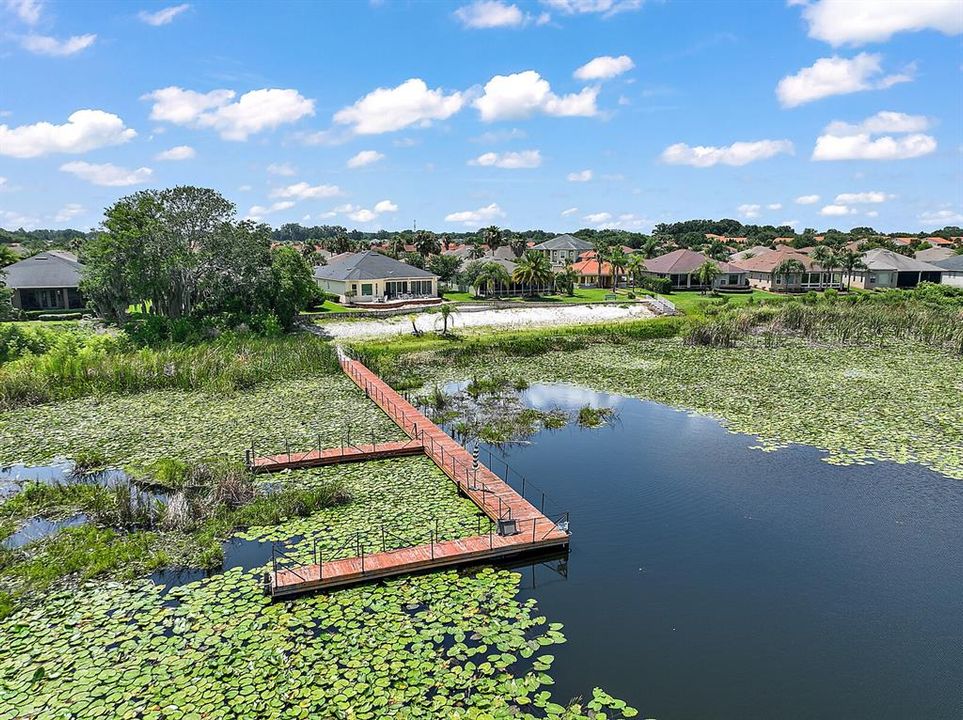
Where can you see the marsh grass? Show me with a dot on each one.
(593, 417)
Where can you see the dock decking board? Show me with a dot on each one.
(493, 496)
(333, 456)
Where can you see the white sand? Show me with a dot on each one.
(509, 318)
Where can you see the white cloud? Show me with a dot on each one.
(107, 174)
(258, 211)
(164, 16)
(521, 95)
(580, 176)
(774, 206)
(807, 199)
(84, 130)
(365, 157)
(604, 67)
(389, 109)
(607, 8)
(13, 220)
(569, 211)
(490, 137)
(303, 191)
(46, 45)
(485, 14)
(362, 215)
(3, 183)
(855, 22)
(598, 218)
(509, 160)
(284, 169)
(836, 210)
(27, 10)
(385, 206)
(245, 188)
(181, 152)
(940, 218)
(863, 197)
(872, 213)
(69, 212)
(739, 153)
(749, 210)
(476, 217)
(845, 141)
(253, 112)
(837, 76)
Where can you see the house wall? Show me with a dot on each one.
(871, 279)
(560, 257)
(47, 299)
(377, 290)
(685, 281)
(953, 278)
(796, 282)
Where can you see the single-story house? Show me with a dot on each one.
(370, 277)
(749, 252)
(681, 266)
(759, 270)
(46, 281)
(931, 255)
(589, 275)
(887, 269)
(563, 249)
(952, 268)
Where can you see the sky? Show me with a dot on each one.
(450, 116)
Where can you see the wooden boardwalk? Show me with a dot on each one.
(518, 526)
(333, 456)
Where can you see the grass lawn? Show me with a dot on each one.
(334, 307)
(692, 302)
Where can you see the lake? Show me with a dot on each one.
(710, 580)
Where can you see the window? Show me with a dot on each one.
(733, 280)
(366, 289)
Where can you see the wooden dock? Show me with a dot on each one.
(517, 526)
(333, 456)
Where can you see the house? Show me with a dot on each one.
(563, 249)
(760, 275)
(590, 275)
(952, 268)
(46, 281)
(749, 252)
(938, 242)
(933, 254)
(370, 277)
(886, 269)
(681, 266)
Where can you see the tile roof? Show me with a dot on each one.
(768, 261)
(684, 261)
(52, 269)
(883, 259)
(953, 264)
(591, 267)
(564, 242)
(368, 265)
(935, 253)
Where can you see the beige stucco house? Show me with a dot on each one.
(370, 277)
(887, 269)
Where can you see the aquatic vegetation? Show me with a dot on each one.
(591, 417)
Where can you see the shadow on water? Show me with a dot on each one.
(708, 579)
(39, 528)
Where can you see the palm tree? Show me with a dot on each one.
(827, 259)
(706, 274)
(787, 267)
(649, 248)
(447, 311)
(493, 237)
(397, 245)
(475, 250)
(618, 260)
(635, 267)
(426, 243)
(566, 279)
(533, 269)
(601, 250)
(849, 260)
(492, 276)
(518, 245)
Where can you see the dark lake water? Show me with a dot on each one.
(710, 580)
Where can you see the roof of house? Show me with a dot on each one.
(883, 259)
(51, 269)
(368, 265)
(684, 261)
(768, 261)
(564, 242)
(935, 253)
(938, 241)
(953, 264)
(750, 252)
(503, 252)
(591, 267)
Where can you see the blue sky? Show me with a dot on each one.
(556, 114)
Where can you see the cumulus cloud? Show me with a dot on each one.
(304, 191)
(362, 215)
(47, 45)
(251, 113)
(365, 157)
(521, 95)
(385, 206)
(181, 152)
(28, 11)
(604, 67)
(84, 130)
(940, 218)
(598, 218)
(476, 217)
(863, 197)
(107, 174)
(569, 211)
(845, 141)
(284, 169)
(807, 199)
(11, 219)
(606, 8)
(739, 153)
(389, 109)
(509, 160)
(836, 210)
(68, 212)
(580, 176)
(774, 206)
(163, 16)
(749, 210)
(485, 14)
(837, 76)
(856, 22)
(259, 211)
